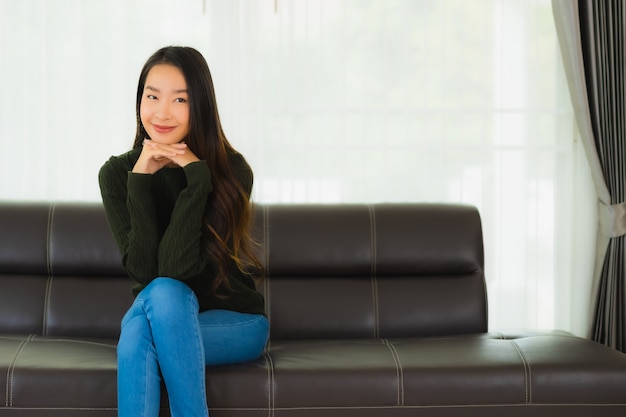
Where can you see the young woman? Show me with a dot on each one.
(178, 206)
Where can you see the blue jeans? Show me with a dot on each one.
(164, 336)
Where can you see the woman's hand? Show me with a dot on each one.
(155, 156)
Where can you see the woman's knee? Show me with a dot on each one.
(164, 288)
(166, 292)
(165, 298)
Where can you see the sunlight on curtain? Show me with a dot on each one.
(331, 101)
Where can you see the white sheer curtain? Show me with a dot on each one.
(332, 101)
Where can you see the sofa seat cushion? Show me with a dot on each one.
(49, 372)
(298, 376)
(498, 369)
(534, 369)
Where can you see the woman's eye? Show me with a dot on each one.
(180, 100)
(151, 97)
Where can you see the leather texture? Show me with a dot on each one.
(375, 310)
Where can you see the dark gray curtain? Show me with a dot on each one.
(603, 45)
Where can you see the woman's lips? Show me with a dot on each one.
(163, 129)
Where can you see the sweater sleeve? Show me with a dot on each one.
(181, 252)
(148, 250)
(131, 214)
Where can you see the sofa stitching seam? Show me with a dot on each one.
(372, 216)
(64, 408)
(399, 370)
(271, 384)
(381, 407)
(66, 340)
(422, 406)
(49, 238)
(11, 369)
(527, 373)
(46, 304)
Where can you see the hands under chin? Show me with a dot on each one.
(155, 156)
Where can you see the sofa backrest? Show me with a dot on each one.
(332, 271)
(60, 271)
(380, 270)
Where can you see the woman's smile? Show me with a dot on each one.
(163, 129)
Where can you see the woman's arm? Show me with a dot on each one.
(131, 214)
(181, 253)
(131, 211)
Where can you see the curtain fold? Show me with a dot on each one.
(592, 38)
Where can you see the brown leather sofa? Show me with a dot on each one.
(375, 310)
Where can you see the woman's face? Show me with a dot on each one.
(164, 108)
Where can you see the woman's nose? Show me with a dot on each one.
(162, 111)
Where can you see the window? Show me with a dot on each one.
(331, 101)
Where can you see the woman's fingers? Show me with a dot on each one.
(178, 153)
(160, 150)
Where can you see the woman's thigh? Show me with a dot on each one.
(232, 337)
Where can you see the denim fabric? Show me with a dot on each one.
(163, 336)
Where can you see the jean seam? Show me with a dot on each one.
(145, 390)
(198, 335)
(237, 324)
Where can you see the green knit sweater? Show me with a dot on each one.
(157, 222)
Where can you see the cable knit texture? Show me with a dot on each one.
(157, 222)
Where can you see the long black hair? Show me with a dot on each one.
(228, 221)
